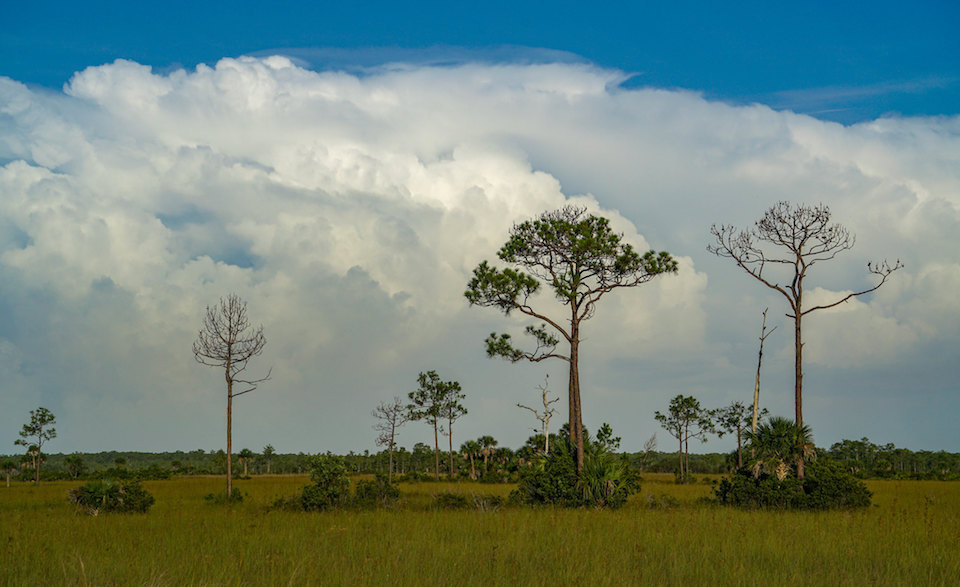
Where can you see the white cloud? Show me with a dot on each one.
(349, 211)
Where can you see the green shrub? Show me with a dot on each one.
(111, 496)
(330, 488)
(826, 486)
(451, 501)
(377, 493)
(606, 481)
(221, 497)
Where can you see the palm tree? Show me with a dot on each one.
(777, 444)
(470, 449)
(487, 444)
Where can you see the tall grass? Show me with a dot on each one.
(908, 537)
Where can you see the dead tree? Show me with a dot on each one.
(390, 416)
(794, 238)
(544, 418)
(756, 387)
(227, 340)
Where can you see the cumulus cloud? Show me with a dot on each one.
(349, 208)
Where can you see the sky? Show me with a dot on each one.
(343, 168)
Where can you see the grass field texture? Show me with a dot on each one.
(909, 537)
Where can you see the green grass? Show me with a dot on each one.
(909, 537)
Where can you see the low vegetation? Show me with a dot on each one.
(666, 534)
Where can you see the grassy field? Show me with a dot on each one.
(909, 537)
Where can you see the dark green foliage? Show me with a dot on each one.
(606, 480)
(826, 486)
(111, 496)
(221, 498)
(452, 501)
(377, 493)
(330, 488)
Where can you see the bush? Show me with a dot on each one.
(111, 496)
(826, 486)
(451, 501)
(377, 493)
(606, 481)
(330, 488)
(221, 498)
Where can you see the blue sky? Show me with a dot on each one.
(844, 61)
(344, 167)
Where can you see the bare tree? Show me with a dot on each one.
(756, 386)
(227, 340)
(548, 413)
(794, 238)
(390, 416)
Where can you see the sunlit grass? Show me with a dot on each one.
(908, 537)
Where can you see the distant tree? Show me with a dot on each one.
(390, 417)
(471, 449)
(794, 238)
(429, 403)
(736, 418)
(40, 429)
(74, 465)
(545, 416)
(268, 452)
(581, 259)
(451, 411)
(684, 420)
(9, 467)
(648, 447)
(487, 446)
(119, 462)
(227, 340)
(778, 444)
(245, 456)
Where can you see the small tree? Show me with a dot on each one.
(390, 416)
(9, 467)
(685, 420)
(74, 465)
(777, 444)
(794, 238)
(268, 452)
(487, 445)
(544, 417)
(581, 259)
(471, 449)
(244, 457)
(736, 418)
(429, 402)
(227, 340)
(452, 410)
(40, 429)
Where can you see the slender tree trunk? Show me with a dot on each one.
(450, 439)
(229, 434)
(473, 470)
(576, 415)
(798, 370)
(390, 467)
(436, 451)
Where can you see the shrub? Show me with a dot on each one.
(826, 486)
(111, 496)
(221, 497)
(451, 501)
(379, 492)
(606, 480)
(330, 488)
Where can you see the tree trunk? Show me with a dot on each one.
(798, 371)
(229, 436)
(450, 439)
(390, 467)
(436, 451)
(576, 415)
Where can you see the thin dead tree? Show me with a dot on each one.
(390, 416)
(544, 417)
(794, 238)
(227, 340)
(756, 386)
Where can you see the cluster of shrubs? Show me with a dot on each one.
(826, 485)
(330, 489)
(606, 480)
(121, 496)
